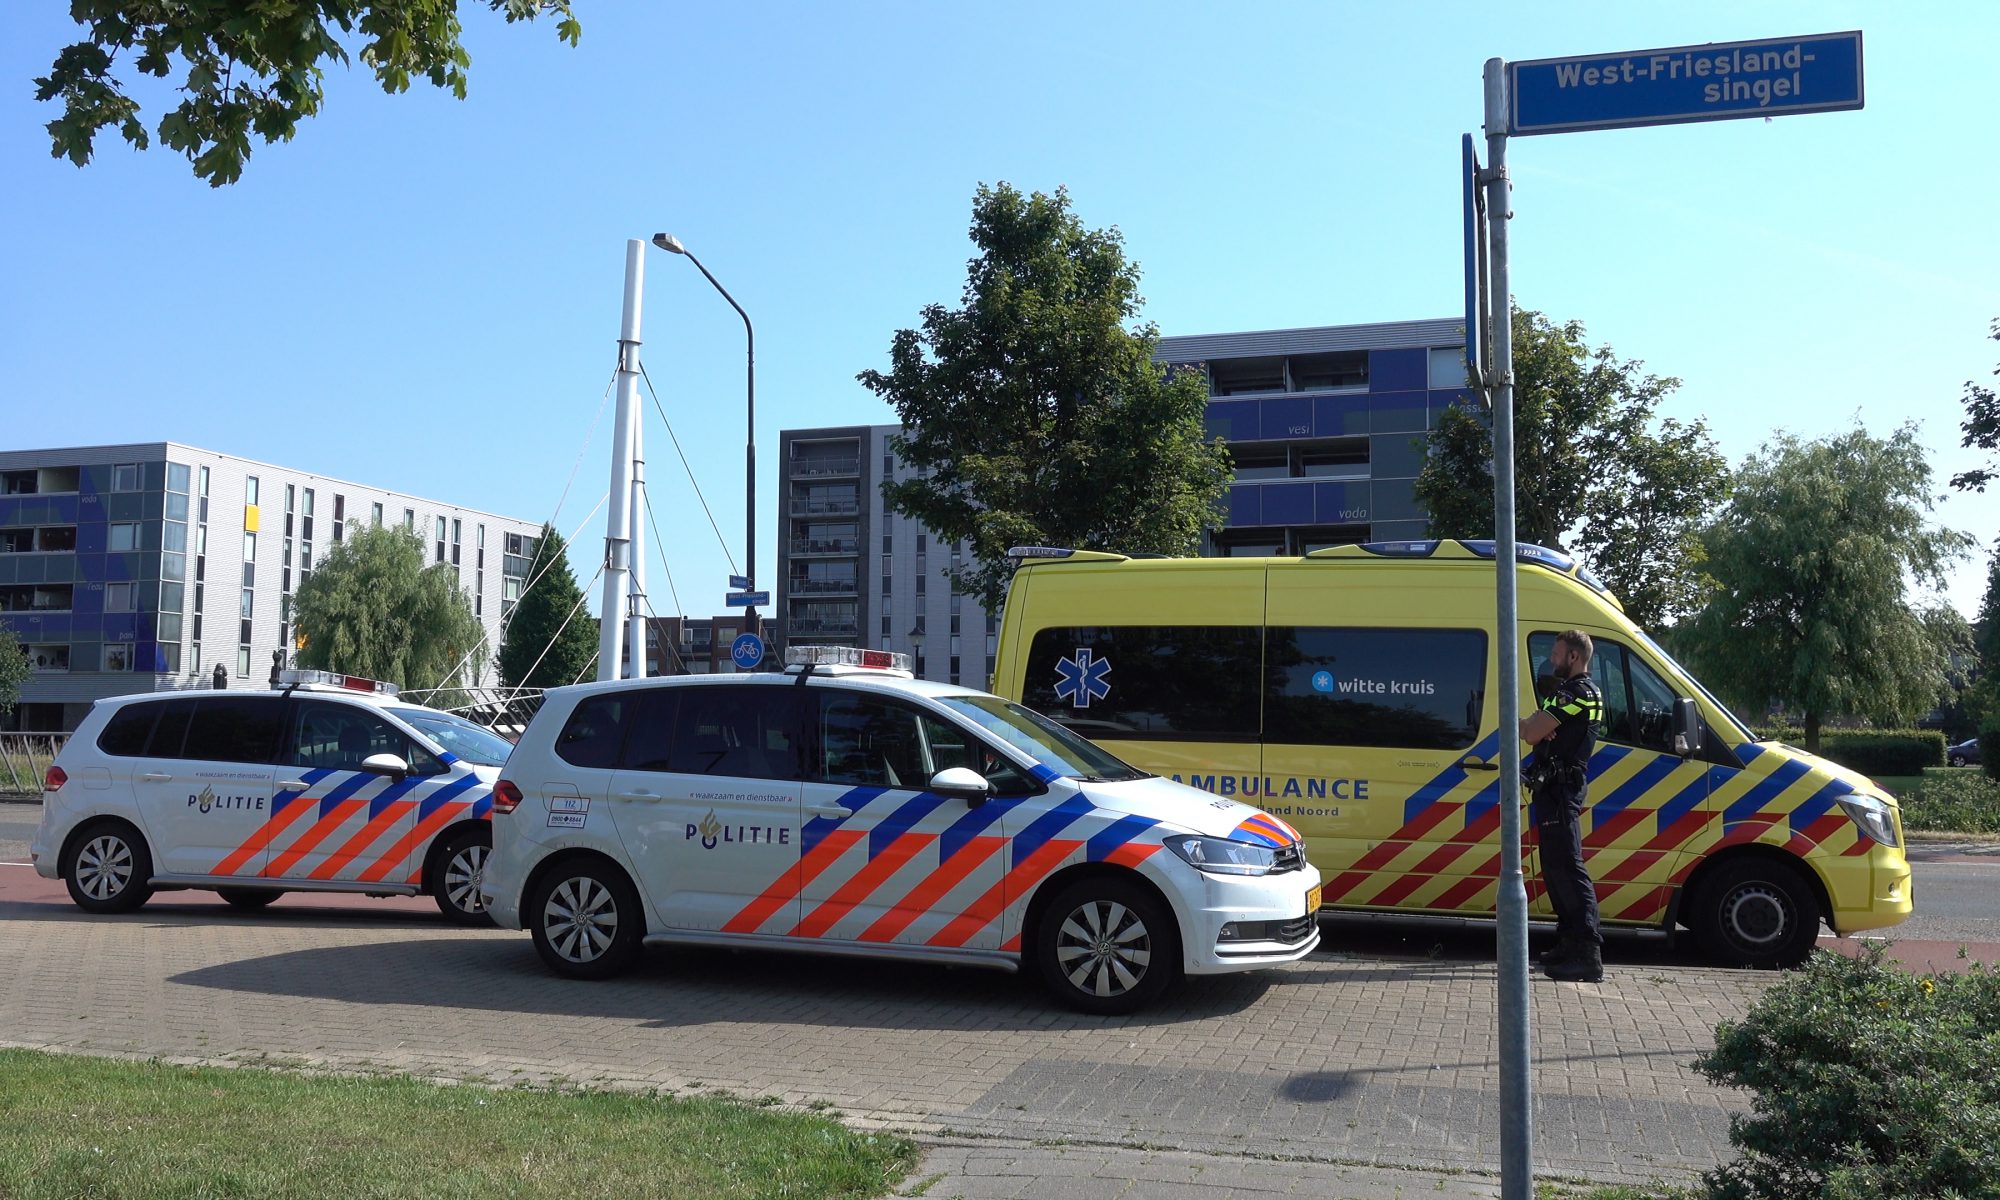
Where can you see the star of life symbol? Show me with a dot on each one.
(1081, 679)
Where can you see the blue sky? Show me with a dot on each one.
(423, 294)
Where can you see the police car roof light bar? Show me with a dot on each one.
(846, 656)
(351, 683)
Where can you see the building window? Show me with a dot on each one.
(886, 585)
(194, 657)
(124, 536)
(118, 656)
(204, 481)
(886, 632)
(305, 560)
(249, 598)
(249, 547)
(888, 464)
(177, 478)
(250, 490)
(118, 597)
(410, 520)
(375, 514)
(243, 662)
(1447, 367)
(954, 668)
(454, 541)
(125, 477)
(921, 581)
(479, 536)
(291, 497)
(479, 593)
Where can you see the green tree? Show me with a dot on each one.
(1981, 429)
(1811, 562)
(550, 640)
(248, 67)
(1592, 458)
(373, 608)
(13, 668)
(1034, 414)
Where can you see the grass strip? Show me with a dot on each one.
(87, 1127)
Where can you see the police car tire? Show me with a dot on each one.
(599, 890)
(1732, 914)
(449, 877)
(106, 866)
(248, 899)
(1128, 918)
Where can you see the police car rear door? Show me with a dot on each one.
(205, 785)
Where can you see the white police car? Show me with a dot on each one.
(330, 784)
(845, 807)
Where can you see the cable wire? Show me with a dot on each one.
(661, 409)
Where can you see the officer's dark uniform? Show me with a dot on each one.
(1563, 760)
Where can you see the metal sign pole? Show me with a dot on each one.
(1517, 1178)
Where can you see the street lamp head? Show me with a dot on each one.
(670, 243)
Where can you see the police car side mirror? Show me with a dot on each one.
(963, 783)
(1687, 728)
(390, 765)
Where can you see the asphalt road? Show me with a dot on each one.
(1958, 901)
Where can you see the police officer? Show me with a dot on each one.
(1564, 735)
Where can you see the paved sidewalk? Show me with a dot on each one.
(969, 1170)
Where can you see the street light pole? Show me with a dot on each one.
(672, 244)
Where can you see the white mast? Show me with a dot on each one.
(618, 513)
(635, 624)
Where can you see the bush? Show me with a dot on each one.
(1872, 751)
(1868, 1083)
(1953, 802)
(1989, 749)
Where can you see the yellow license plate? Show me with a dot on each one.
(1312, 900)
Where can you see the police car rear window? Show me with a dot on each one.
(234, 729)
(126, 733)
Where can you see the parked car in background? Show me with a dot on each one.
(1965, 754)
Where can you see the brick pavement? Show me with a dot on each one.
(1335, 1060)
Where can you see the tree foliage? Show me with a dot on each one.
(13, 668)
(550, 641)
(1592, 458)
(1035, 415)
(1811, 563)
(248, 67)
(373, 608)
(1981, 429)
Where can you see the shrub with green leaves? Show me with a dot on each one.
(1957, 801)
(1872, 751)
(1868, 1082)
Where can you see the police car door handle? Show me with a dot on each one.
(294, 785)
(829, 810)
(157, 777)
(638, 796)
(1469, 763)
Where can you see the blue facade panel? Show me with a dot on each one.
(1235, 420)
(1340, 416)
(1340, 503)
(1245, 505)
(1398, 370)
(1288, 503)
(1398, 412)
(1286, 417)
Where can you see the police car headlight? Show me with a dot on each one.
(1872, 817)
(1221, 856)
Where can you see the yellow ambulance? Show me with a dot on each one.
(1350, 692)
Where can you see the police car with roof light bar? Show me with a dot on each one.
(330, 784)
(845, 807)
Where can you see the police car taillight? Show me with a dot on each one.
(506, 797)
(53, 780)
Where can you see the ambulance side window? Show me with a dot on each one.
(1420, 689)
(1158, 682)
(1638, 704)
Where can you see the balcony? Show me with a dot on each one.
(825, 468)
(820, 587)
(848, 506)
(824, 627)
(815, 547)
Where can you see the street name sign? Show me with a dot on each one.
(746, 599)
(1719, 81)
(739, 582)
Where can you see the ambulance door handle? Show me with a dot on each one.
(829, 810)
(1472, 764)
(157, 777)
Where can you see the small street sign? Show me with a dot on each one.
(1771, 77)
(747, 651)
(739, 582)
(746, 599)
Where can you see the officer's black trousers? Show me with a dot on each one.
(1559, 820)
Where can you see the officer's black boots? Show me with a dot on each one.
(1566, 946)
(1584, 964)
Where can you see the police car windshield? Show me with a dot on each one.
(475, 744)
(1042, 739)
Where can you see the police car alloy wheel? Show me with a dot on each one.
(108, 868)
(584, 916)
(1107, 946)
(1757, 913)
(455, 886)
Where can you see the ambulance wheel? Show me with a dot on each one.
(457, 864)
(248, 899)
(584, 915)
(1756, 913)
(1107, 946)
(106, 867)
